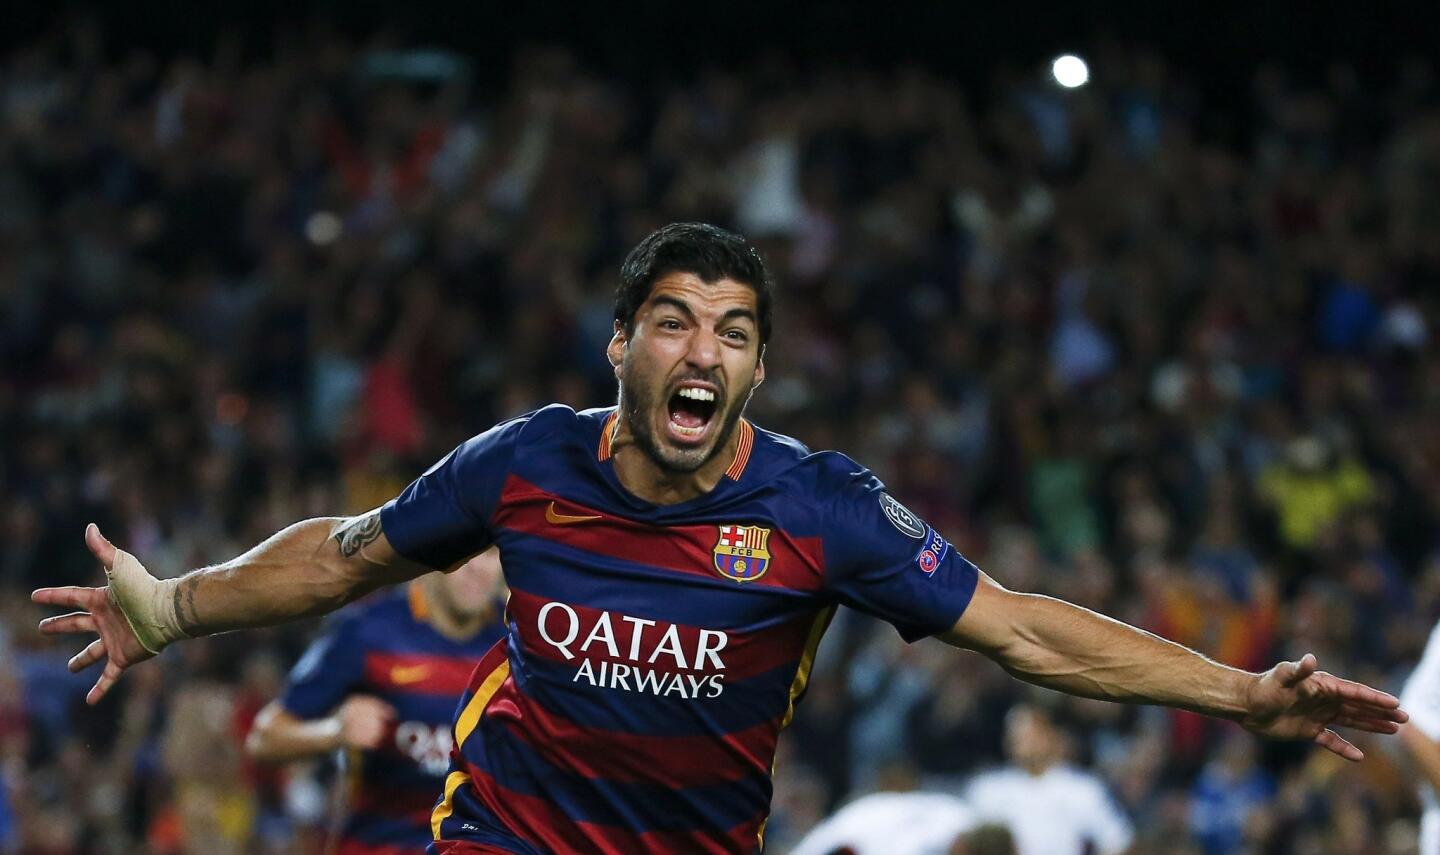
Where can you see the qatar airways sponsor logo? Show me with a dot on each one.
(657, 659)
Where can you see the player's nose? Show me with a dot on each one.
(704, 351)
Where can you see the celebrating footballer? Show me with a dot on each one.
(672, 568)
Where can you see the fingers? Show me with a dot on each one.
(101, 548)
(73, 622)
(1358, 695)
(1369, 725)
(87, 657)
(102, 685)
(71, 597)
(1357, 709)
(1292, 673)
(1333, 742)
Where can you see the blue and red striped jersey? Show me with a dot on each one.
(653, 652)
(385, 648)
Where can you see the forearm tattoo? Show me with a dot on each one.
(358, 533)
(185, 614)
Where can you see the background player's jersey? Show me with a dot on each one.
(1421, 698)
(383, 647)
(654, 652)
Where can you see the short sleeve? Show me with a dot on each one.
(885, 561)
(331, 669)
(444, 515)
(1421, 695)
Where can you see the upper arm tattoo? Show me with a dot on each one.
(358, 533)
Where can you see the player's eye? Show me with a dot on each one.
(670, 324)
(736, 335)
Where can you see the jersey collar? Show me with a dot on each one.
(737, 466)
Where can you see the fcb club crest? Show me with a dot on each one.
(741, 553)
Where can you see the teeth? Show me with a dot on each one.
(695, 394)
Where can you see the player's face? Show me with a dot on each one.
(474, 587)
(688, 367)
(1030, 740)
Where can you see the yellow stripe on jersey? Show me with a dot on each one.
(797, 688)
(447, 805)
(470, 716)
(807, 660)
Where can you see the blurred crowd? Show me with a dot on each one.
(1162, 356)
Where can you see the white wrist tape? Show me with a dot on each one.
(147, 603)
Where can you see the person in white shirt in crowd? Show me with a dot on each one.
(1051, 807)
(913, 823)
(1421, 738)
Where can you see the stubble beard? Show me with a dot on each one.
(636, 406)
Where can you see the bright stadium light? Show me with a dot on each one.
(1070, 71)
(323, 228)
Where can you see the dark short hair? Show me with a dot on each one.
(707, 251)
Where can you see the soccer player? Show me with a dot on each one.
(1421, 738)
(1051, 807)
(381, 684)
(672, 567)
(909, 823)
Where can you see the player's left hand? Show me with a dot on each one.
(1295, 701)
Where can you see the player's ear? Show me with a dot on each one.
(759, 370)
(615, 350)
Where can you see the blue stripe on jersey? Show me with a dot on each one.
(634, 806)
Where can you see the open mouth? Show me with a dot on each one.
(690, 409)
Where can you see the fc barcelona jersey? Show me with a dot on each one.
(384, 647)
(653, 653)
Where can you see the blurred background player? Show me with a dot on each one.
(381, 685)
(1421, 738)
(1051, 807)
(908, 823)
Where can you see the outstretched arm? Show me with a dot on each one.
(1062, 646)
(309, 568)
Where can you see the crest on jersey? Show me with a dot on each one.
(741, 552)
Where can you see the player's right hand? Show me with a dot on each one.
(364, 722)
(98, 613)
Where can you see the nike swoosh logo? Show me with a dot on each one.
(566, 519)
(403, 674)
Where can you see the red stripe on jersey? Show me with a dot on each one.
(549, 827)
(672, 761)
(744, 654)
(796, 563)
(420, 673)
